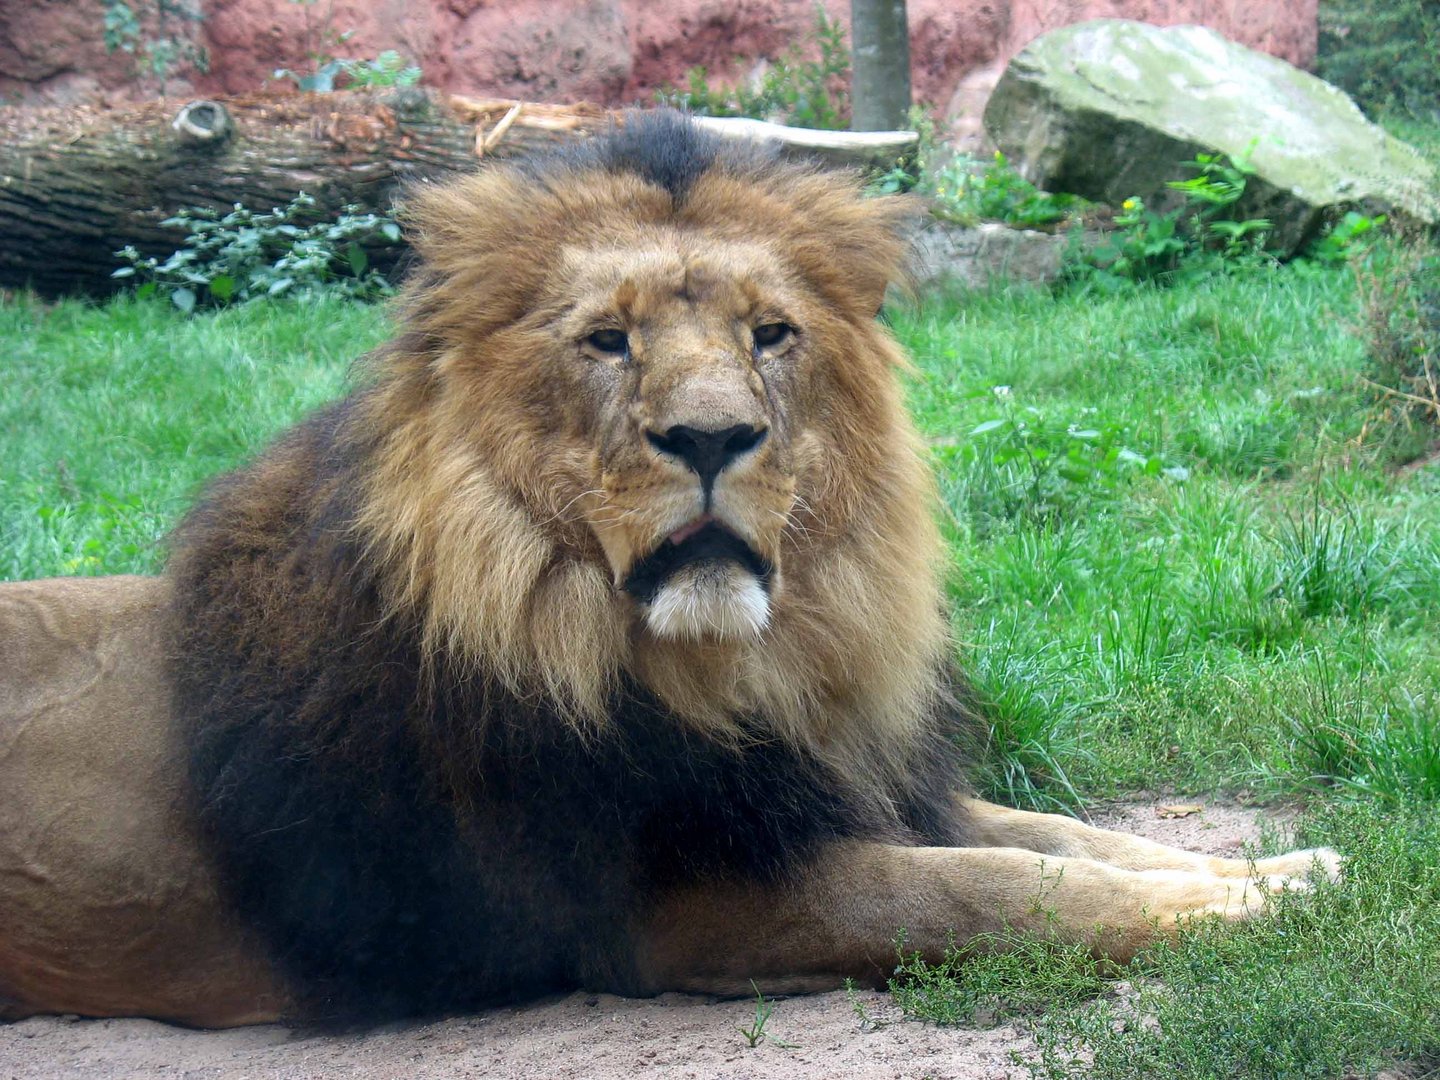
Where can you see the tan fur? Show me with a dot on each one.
(106, 906)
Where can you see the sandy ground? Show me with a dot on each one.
(582, 1035)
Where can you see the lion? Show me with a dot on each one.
(595, 640)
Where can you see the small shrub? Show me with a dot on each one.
(1400, 300)
(244, 255)
(792, 90)
(1199, 237)
(966, 191)
(1382, 53)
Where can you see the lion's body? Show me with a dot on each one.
(107, 903)
(326, 777)
(596, 640)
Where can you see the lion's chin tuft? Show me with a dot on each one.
(709, 599)
(703, 581)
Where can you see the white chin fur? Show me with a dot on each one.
(709, 599)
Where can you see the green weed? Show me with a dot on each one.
(996, 976)
(755, 1033)
(967, 191)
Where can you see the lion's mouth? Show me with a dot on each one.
(702, 540)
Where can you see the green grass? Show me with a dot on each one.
(111, 417)
(1255, 613)
(1186, 555)
(1342, 981)
(1188, 629)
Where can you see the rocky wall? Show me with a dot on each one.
(608, 51)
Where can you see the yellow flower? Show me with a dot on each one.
(1128, 204)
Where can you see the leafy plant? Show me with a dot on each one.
(911, 170)
(966, 191)
(244, 255)
(1220, 183)
(1199, 237)
(1035, 462)
(793, 89)
(329, 72)
(1145, 247)
(386, 70)
(1349, 237)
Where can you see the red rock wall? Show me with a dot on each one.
(608, 51)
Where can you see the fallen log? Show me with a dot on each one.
(76, 185)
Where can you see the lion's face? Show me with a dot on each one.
(652, 426)
(691, 365)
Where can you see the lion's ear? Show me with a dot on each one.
(853, 247)
(897, 220)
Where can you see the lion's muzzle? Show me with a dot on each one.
(703, 580)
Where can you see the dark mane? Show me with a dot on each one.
(662, 147)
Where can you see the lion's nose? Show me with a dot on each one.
(707, 452)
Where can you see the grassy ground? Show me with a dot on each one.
(1188, 553)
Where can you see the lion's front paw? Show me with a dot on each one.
(1323, 862)
(1240, 898)
(1177, 898)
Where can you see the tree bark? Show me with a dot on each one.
(76, 186)
(880, 80)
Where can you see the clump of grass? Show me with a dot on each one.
(1335, 562)
(996, 976)
(1364, 731)
(1034, 727)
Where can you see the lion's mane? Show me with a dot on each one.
(433, 763)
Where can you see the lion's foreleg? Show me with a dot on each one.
(841, 917)
(1056, 834)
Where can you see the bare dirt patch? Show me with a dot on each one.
(598, 1036)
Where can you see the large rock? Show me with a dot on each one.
(612, 52)
(1111, 108)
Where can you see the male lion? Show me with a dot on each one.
(596, 640)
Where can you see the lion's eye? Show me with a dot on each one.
(771, 334)
(611, 342)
